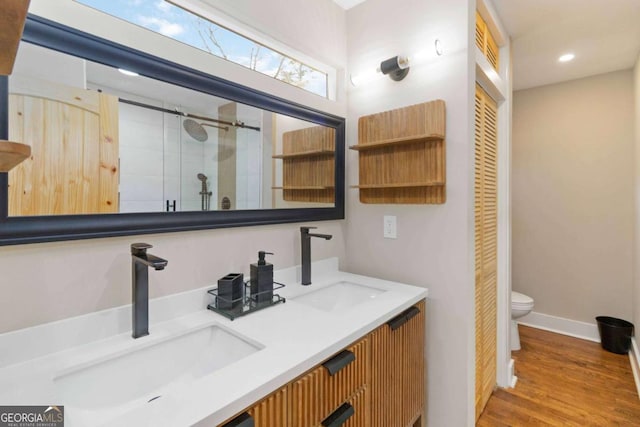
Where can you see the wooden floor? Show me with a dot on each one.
(565, 381)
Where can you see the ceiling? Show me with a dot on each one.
(45, 64)
(604, 35)
(150, 91)
(348, 4)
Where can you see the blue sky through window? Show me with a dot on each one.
(174, 22)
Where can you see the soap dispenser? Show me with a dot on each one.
(261, 283)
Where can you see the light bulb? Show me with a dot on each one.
(426, 55)
(419, 57)
(566, 57)
(364, 77)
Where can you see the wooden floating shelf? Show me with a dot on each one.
(12, 154)
(304, 187)
(401, 155)
(400, 185)
(398, 141)
(12, 19)
(308, 165)
(311, 153)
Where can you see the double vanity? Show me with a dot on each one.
(347, 350)
(197, 367)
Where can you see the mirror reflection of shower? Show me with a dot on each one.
(164, 146)
(197, 131)
(205, 194)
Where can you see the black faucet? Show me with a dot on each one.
(305, 238)
(140, 261)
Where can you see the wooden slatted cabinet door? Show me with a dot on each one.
(269, 412)
(272, 411)
(317, 394)
(486, 243)
(305, 406)
(361, 406)
(397, 373)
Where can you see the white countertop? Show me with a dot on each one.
(293, 338)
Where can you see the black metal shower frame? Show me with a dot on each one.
(186, 115)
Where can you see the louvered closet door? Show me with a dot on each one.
(486, 242)
(486, 43)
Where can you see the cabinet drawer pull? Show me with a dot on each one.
(339, 361)
(339, 416)
(403, 318)
(242, 420)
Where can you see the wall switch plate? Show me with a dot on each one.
(390, 227)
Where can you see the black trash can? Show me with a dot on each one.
(615, 334)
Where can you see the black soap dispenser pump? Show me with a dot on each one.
(261, 282)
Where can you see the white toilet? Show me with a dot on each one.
(521, 305)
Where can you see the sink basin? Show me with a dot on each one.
(144, 371)
(339, 296)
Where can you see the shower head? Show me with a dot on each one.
(202, 177)
(195, 130)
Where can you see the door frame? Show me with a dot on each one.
(499, 87)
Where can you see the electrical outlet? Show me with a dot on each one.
(390, 227)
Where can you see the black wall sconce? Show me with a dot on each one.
(396, 68)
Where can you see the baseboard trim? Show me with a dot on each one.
(634, 354)
(560, 325)
(512, 376)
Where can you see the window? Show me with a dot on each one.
(182, 25)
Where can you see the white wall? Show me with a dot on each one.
(636, 254)
(44, 64)
(572, 185)
(45, 282)
(49, 281)
(434, 248)
(285, 21)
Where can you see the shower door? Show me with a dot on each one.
(249, 167)
(197, 165)
(172, 142)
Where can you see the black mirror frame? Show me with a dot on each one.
(49, 34)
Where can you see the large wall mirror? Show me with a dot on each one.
(127, 143)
